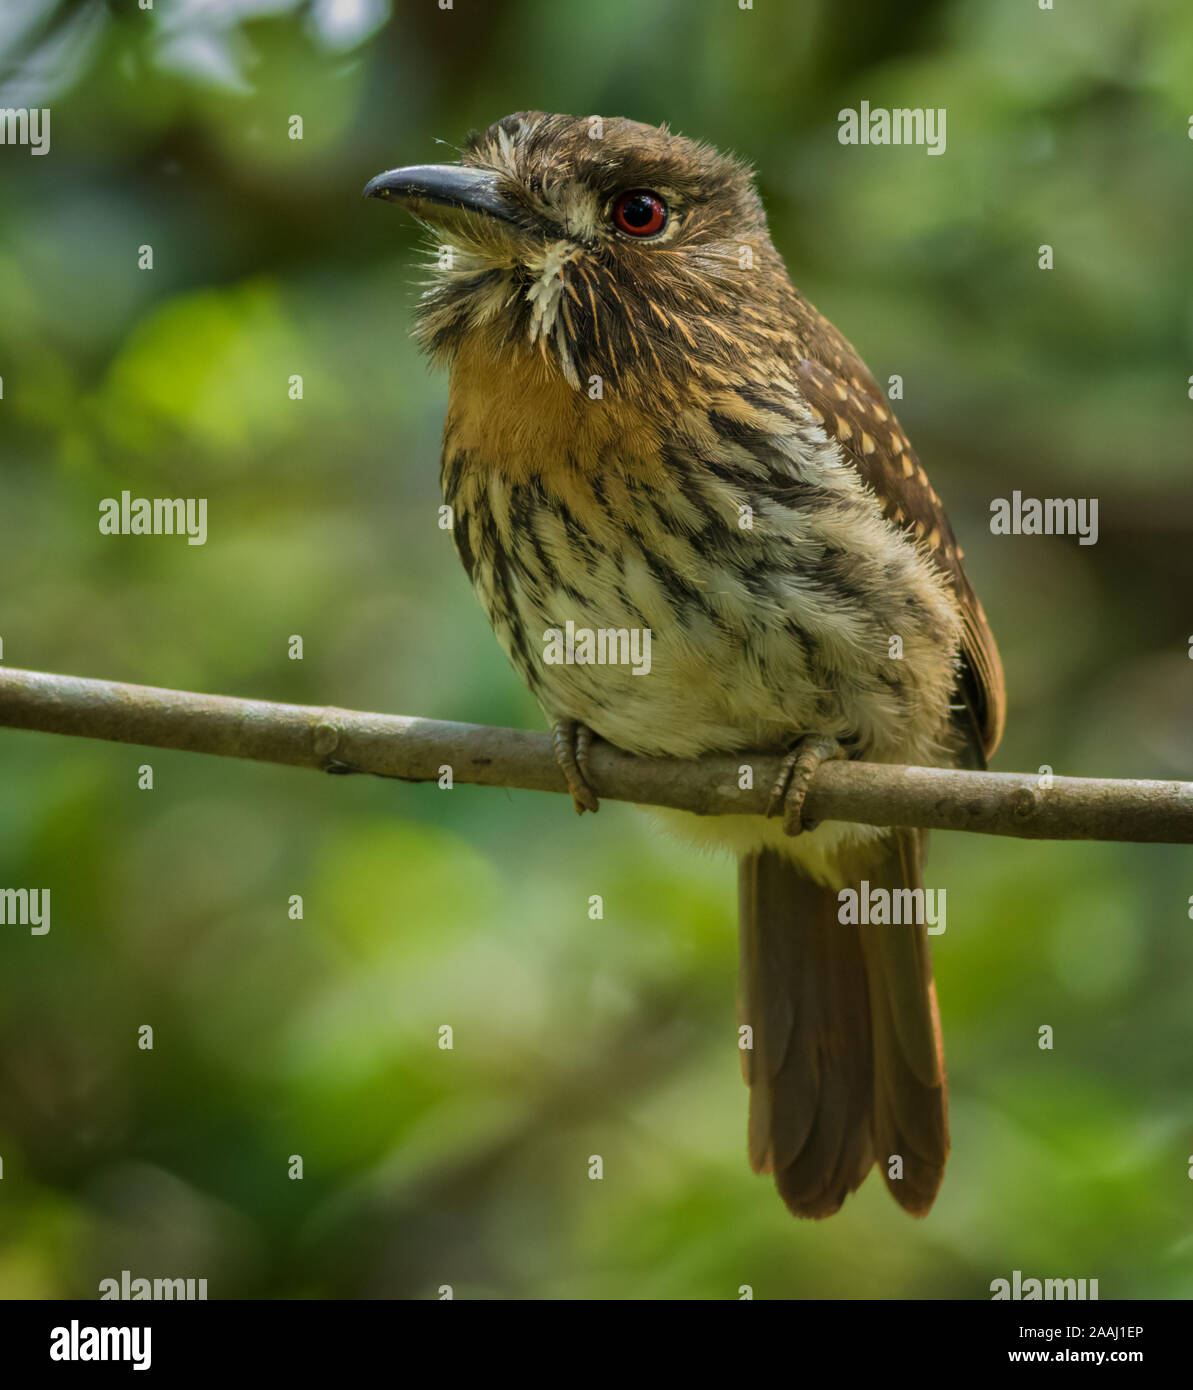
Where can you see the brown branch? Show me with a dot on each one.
(416, 750)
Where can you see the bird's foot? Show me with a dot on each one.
(795, 777)
(572, 742)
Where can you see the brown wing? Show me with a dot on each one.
(855, 413)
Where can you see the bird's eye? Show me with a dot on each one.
(639, 213)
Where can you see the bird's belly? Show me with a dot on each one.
(683, 687)
(679, 665)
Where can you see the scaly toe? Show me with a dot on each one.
(572, 743)
(795, 777)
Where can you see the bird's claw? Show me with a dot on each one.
(572, 742)
(795, 777)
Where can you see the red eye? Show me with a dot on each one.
(639, 213)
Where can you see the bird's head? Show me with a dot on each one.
(611, 248)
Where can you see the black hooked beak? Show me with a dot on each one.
(442, 185)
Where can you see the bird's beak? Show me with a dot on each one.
(425, 187)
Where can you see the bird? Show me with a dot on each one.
(651, 431)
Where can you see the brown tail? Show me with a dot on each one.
(846, 1064)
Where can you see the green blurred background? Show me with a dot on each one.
(573, 1037)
